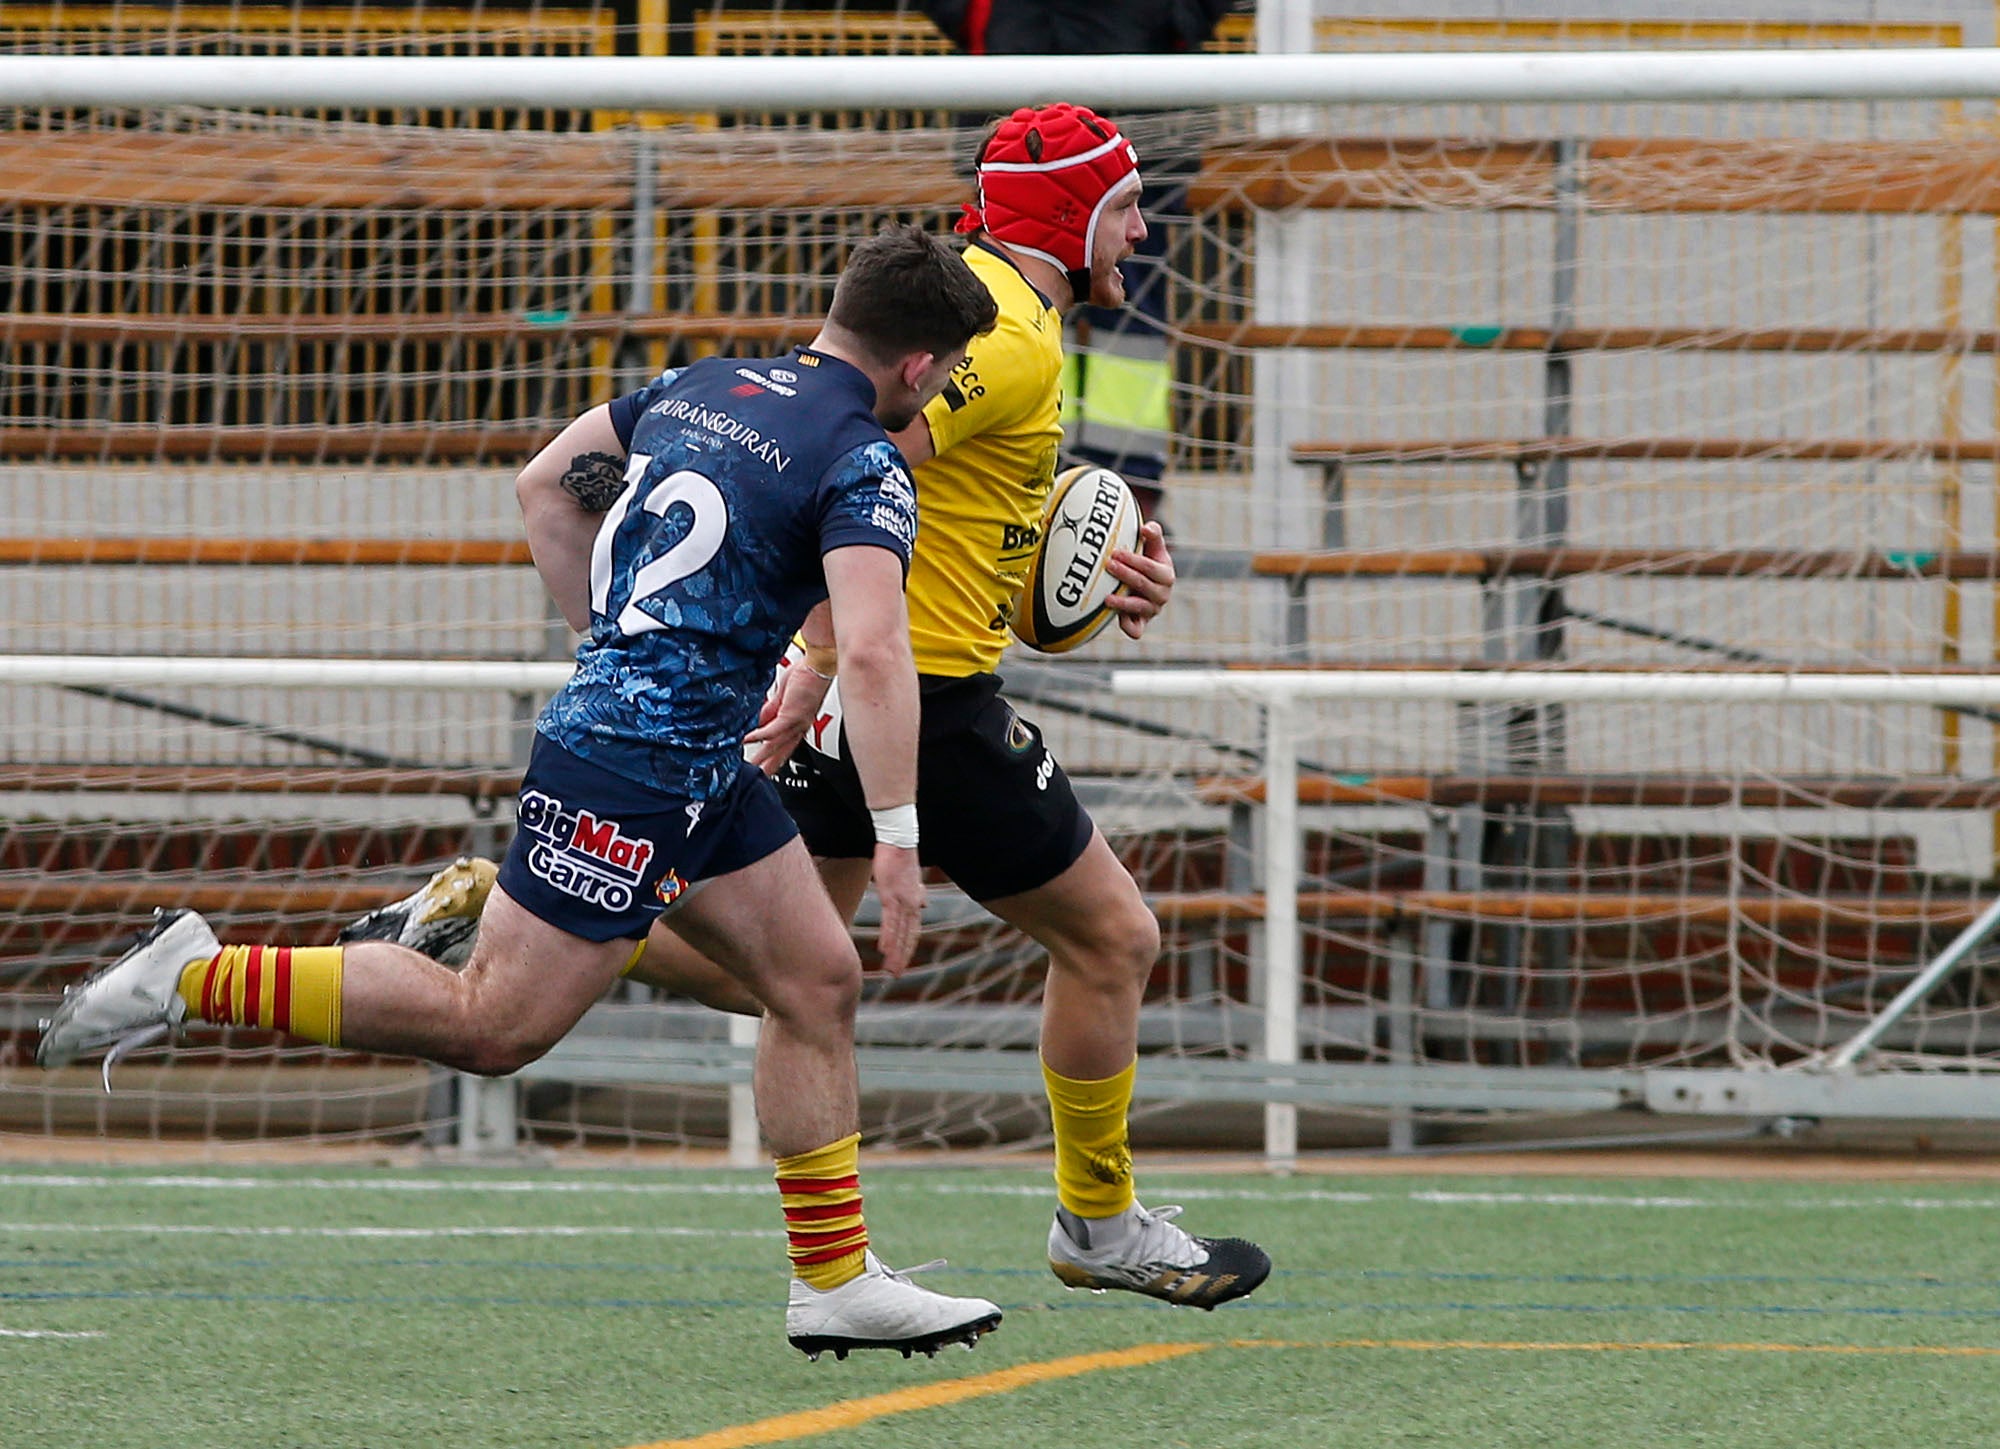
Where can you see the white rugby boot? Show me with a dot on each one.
(134, 1000)
(1142, 1251)
(440, 918)
(883, 1309)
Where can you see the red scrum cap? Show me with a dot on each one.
(1044, 178)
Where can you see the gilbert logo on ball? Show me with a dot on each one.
(1089, 513)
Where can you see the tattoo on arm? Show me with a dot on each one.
(594, 480)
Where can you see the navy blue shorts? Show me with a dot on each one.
(601, 856)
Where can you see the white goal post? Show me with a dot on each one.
(1582, 693)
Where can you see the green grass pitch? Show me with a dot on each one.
(603, 1309)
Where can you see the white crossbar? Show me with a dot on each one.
(738, 83)
(109, 671)
(1469, 686)
(1555, 687)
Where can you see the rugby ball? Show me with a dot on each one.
(1089, 513)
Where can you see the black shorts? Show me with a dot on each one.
(994, 810)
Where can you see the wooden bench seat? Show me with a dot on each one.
(296, 895)
(1579, 908)
(1574, 560)
(486, 171)
(118, 442)
(60, 778)
(136, 897)
(1959, 176)
(1403, 337)
(512, 446)
(320, 330)
(1695, 450)
(1796, 792)
(222, 552)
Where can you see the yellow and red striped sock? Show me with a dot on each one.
(821, 1194)
(295, 990)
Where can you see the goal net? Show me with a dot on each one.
(1576, 389)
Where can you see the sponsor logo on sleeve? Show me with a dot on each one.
(895, 486)
(963, 387)
(581, 855)
(897, 520)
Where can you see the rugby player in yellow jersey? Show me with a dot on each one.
(1058, 209)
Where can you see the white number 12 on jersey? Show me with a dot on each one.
(689, 555)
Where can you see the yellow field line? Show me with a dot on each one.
(849, 1412)
(1434, 1345)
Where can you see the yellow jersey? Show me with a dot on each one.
(996, 428)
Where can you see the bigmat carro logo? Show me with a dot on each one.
(581, 855)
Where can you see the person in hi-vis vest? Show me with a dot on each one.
(1117, 381)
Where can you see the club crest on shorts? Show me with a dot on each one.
(670, 887)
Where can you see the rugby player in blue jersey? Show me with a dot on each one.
(739, 495)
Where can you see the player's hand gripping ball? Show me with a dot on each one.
(1089, 513)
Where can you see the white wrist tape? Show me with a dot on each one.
(896, 826)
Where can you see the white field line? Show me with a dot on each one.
(387, 1184)
(223, 1231)
(912, 1185)
(44, 1333)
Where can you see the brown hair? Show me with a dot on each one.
(904, 290)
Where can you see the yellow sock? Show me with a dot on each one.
(821, 1194)
(1093, 1155)
(279, 987)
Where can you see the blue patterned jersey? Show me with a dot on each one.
(741, 475)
